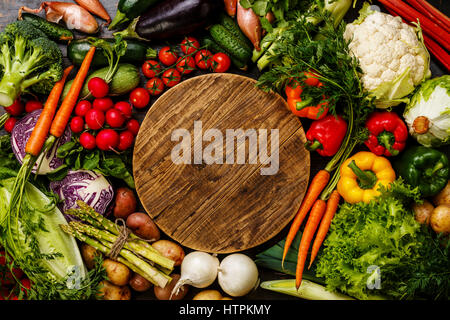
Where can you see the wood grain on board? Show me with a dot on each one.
(227, 207)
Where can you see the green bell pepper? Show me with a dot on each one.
(425, 168)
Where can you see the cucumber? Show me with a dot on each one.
(136, 52)
(215, 47)
(53, 30)
(124, 80)
(234, 29)
(231, 44)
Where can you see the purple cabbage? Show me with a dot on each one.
(85, 185)
(22, 132)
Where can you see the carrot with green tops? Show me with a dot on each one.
(318, 183)
(315, 216)
(332, 205)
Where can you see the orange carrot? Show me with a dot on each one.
(315, 188)
(40, 131)
(332, 205)
(62, 116)
(315, 216)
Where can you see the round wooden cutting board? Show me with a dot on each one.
(210, 198)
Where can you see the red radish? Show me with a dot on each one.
(33, 105)
(140, 98)
(87, 141)
(126, 139)
(82, 108)
(16, 109)
(77, 124)
(98, 87)
(95, 7)
(95, 119)
(74, 16)
(115, 118)
(125, 108)
(9, 124)
(133, 126)
(103, 104)
(107, 139)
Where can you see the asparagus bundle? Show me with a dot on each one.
(102, 234)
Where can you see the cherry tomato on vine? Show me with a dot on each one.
(171, 77)
(139, 98)
(203, 59)
(167, 56)
(186, 65)
(220, 62)
(155, 86)
(151, 68)
(189, 45)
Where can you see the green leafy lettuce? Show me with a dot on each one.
(377, 248)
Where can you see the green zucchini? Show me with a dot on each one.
(53, 30)
(234, 29)
(215, 47)
(127, 10)
(124, 80)
(136, 53)
(229, 42)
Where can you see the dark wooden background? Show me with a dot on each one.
(8, 13)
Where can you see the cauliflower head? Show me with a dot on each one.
(391, 54)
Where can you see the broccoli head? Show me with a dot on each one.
(28, 61)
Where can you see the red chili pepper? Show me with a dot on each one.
(326, 135)
(302, 107)
(387, 133)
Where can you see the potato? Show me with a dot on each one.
(164, 293)
(118, 273)
(143, 226)
(422, 212)
(210, 295)
(139, 283)
(171, 250)
(443, 197)
(125, 203)
(440, 219)
(88, 253)
(109, 291)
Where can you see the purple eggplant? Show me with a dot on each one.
(173, 18)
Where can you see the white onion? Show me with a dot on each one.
(198, 269)
(238, 275)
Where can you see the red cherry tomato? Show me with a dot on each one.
(140, 97)
(155, 86)
(125, 108)
(126, 139)
(82, 108)
(33, 105)
(167, 56)
(9, 124)
(77, 124)
(107, 139)
(87, 141)
(151, 68)
(133, 126)
(103, 104)
(98, 87)
(171, 77)
(189, 45)
(16, 109)
(95, 119)
(115, 118)
(220, 62)
(203, 59)
(186, 65)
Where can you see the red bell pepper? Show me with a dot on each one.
(326, 135)
(302, 107)
(387, 133)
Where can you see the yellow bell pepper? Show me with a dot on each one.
(362, 174)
